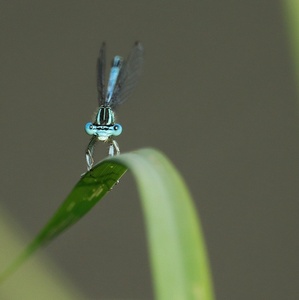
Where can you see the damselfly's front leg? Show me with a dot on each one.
(113, 147)
(89, 152)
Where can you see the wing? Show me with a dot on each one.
(101, 64)
(128, 76)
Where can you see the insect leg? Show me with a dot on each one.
(113, 147)
(89, 152)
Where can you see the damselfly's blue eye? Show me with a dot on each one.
(117, 129)
(89, 128)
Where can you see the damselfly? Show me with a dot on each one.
(123, 77)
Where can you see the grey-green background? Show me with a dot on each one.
(217, 96)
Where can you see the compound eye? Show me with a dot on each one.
(117, 129)
(89, 128)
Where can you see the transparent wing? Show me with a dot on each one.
(101, 64)
(128, 76)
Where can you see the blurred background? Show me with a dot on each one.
(217, 96)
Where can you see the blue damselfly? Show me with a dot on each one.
(124, 75)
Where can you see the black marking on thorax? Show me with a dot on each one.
(105, 116)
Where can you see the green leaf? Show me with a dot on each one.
(291, 9)
(91, 188)
(178, 256)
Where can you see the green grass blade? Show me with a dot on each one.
(178, 256)
(91, 188)
(291, 8)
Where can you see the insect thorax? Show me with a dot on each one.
(105, 116)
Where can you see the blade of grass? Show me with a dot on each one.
(291, 8)
(91, 188)
(178, 255)
(179, 260)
